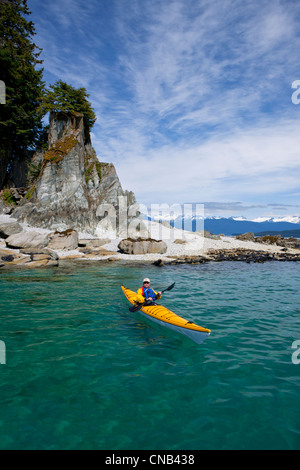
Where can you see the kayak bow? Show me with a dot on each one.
(165, 317)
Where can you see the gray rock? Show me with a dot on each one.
(207, 234)
(67, 240)
(6, 208)
(269, 239)
(36, 252)
(94, 242)
(27, 240)
(72, 183)
(10, 229)
(142, 246)
(247, 237)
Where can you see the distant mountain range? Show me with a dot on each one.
(238, 225)
(232, 226)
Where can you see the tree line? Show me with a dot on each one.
(27, 98)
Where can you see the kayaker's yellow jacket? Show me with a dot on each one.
(141, 299)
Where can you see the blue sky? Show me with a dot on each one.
(193, 98)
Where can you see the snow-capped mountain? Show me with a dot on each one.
(237, 225)
(234, 225)
(290, 219)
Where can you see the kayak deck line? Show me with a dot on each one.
(166, 317)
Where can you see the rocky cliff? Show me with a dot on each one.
(69, 187)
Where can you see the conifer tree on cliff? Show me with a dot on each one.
(63, 99)
(20, 121)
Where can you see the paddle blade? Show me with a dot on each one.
(135, 308)
(169, 288)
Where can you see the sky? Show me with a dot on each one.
(197, 101)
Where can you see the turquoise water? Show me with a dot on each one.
(82, 372)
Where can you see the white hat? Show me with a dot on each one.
(146, 280)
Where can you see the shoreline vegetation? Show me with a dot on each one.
(25, 246)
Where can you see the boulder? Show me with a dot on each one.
(269, 239)
(207, 234)
(246, 237)
(67, 240)
(180, 241)
(159, 263)
(94, 242)
(10, 228)
(27, 240)
(142, 246)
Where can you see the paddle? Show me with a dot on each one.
(136, 308)
(168, 288)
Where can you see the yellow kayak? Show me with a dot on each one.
(165, 317)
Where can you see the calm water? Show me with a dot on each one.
(82, 372)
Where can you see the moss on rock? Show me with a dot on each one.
(60, 149)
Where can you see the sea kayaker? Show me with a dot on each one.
(146, 294)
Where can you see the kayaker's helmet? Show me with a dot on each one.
(146, 280)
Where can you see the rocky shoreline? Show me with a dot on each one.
(243, 255)
(30, 247)
(72, 200)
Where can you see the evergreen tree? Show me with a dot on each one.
(63, 98)
(20, 121)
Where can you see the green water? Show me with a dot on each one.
(82, 372)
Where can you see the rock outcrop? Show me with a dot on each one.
(246, 237)
(142, 246)
(277, 240)
(8, 229)
(67, 240)
(70, 188)
(27, 240)
(242, 255)
(28, 258)
(93, 243)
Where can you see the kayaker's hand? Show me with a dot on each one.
(159, 293)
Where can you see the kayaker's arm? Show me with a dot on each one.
(140, 298)
(157, 295)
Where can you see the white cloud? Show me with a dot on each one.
(196, 92)
(259, 161)
(187, 63)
